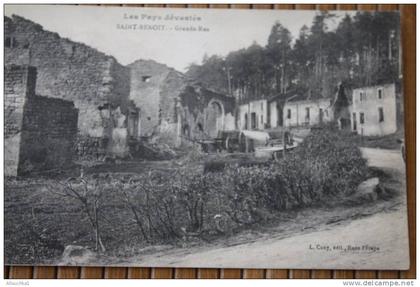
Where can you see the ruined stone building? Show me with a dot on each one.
(118, 105)
(97, 84)
(155, 88)
(39, 131)
(202, 113)
(174, 110)
(113, 109)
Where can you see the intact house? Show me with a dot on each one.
(368, 111)
(303, 111)
(374, 110)
(253, 115)
(297, 110)
(39, 131)
(309, 110)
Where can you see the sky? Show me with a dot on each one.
(110, 29)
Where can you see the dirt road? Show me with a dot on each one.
(377, 241)
(384, 158)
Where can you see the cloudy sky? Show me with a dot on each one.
(103, 29)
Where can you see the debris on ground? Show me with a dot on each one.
(153, 151)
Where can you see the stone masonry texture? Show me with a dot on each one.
(39, 131)
(70, 71)
(104, 91)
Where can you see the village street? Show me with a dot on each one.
(384, 158)
(359, 237)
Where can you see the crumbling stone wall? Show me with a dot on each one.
(18, 84)
(171, 88)
(71, 71)
(39, 131)
(148, 82)
(103, 90)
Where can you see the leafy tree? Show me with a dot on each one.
(211, 73)
(363, 50)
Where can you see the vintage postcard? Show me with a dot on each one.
(204, 138)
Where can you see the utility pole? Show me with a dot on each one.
(229, 81)
(284, 143)
(281, 78)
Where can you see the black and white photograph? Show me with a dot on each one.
(204, 138)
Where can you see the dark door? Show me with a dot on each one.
(279, 115)
(354, 122)
(321, 116)
(246, 121)
(253, 120)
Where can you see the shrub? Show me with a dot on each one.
(325, 165)
(330, 161)
(168, 206)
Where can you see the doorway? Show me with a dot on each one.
(321, 116)
(354, 122)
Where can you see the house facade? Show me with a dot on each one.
(253, 115)
(297, 112)
(275, 113)
(374, 110)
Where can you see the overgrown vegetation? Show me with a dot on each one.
(181, 205)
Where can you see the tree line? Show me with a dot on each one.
(363, 50)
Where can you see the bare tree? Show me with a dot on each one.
(89, 195)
